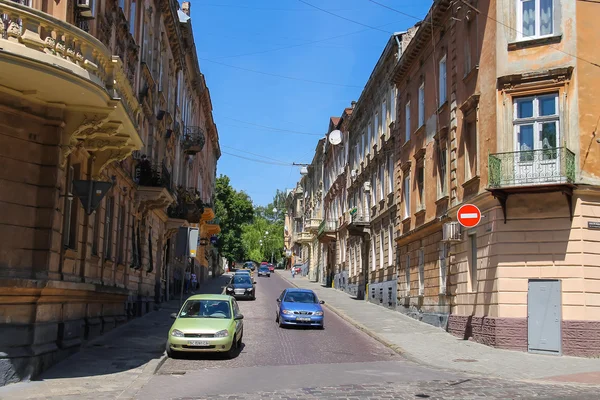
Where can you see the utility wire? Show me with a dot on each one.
(254, 154)
(304, 44)
(344, 18)
(401, 12)
(266, 9)
(258, 161)
(275, 129)
(280, 76)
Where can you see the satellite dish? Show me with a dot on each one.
(335, 137)
(303, 171)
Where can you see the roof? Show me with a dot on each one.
(210, 297)
(293, 289)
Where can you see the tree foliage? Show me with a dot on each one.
(263, 238)
(234, 210)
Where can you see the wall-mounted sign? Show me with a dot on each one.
(594, 225)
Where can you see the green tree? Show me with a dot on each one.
(234, 210)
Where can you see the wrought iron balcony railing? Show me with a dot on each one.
(193, 139)
(188, 205)
(531, 167)
(154, 175)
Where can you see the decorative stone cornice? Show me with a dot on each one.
(151, 198)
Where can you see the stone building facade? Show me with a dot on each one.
(499, 112)
(113, 95)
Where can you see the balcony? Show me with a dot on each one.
(193, 139)
(312, 224)
(327, 231)
(53, 63)
(212, 227)
(305, 237)
(531, 171)
(360, 223)
(189, 206)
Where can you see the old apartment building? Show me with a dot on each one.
(100, 100)
(497, 108)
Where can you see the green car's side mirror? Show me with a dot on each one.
(240, 316)
(174, 315)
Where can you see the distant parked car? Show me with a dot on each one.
(271, 268)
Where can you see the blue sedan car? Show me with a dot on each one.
(299, 307)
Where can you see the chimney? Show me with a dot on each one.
(185, 7)
(352, 103)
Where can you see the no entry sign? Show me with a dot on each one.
(469, 215)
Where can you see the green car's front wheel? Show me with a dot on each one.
(171, 353)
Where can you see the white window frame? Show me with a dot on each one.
(390, 161)
(384, 118)
(390, 244)
(537, 28)
(406, 194)
(443, 260)
(393, 104)
(373, 262)
(382, 180)
(373, 188)
(443, 81)
(369, 138)
(421, 253)
(407, 120)
(442, 180)
(421, 116)
(407, 274)
(381, 240)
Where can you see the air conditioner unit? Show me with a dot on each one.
(451, 232)
(367, 186)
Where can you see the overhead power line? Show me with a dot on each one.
(344, 18)
(279, 76)
(275, 129)
(264, 8)
(281, 164)
(400, 12)
(303, 44)
(254, 154)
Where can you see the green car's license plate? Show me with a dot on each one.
(199, 343)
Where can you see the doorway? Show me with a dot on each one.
(544, 316)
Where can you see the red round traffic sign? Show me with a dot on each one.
(469, 215)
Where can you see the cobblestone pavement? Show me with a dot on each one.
(432, 346)
(465, 389)
(115, 365)
(267, 344)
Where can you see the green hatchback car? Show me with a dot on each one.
(207, 323)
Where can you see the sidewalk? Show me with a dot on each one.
(425, 344)
(113, 366)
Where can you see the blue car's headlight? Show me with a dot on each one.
(287, 311)
(318, 313)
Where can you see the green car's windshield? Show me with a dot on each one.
(300, 297)
(206, 309)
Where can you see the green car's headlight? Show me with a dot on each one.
(223, 333)
(177, 333)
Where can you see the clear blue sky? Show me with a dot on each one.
(227, 30)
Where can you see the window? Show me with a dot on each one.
(381, 232)
(377, 126)
(471, 150)
(406, 193)
(108, 227)
(390, 244)
(421, 272)
(381, 180)
(132, 19)
(384, 118)
(374, 188)
(442, 170)
(443, 266)
(407, 120)
(365, 143)
(391, 173)
(122, 4)
(536, 124)
(473, 261)
(535, 18)
(407, 274)
(421, 183)
(421, 105)
(393, 104)
(373, 266)
(369, 139)
(121, 235)
(443, 82)
(72, 206)
(96, 231)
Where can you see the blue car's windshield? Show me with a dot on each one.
(206, 309)
(242, 279)
(300, 297)
(263, 269)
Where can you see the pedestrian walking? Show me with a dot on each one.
(194, 282)
(293, 272)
